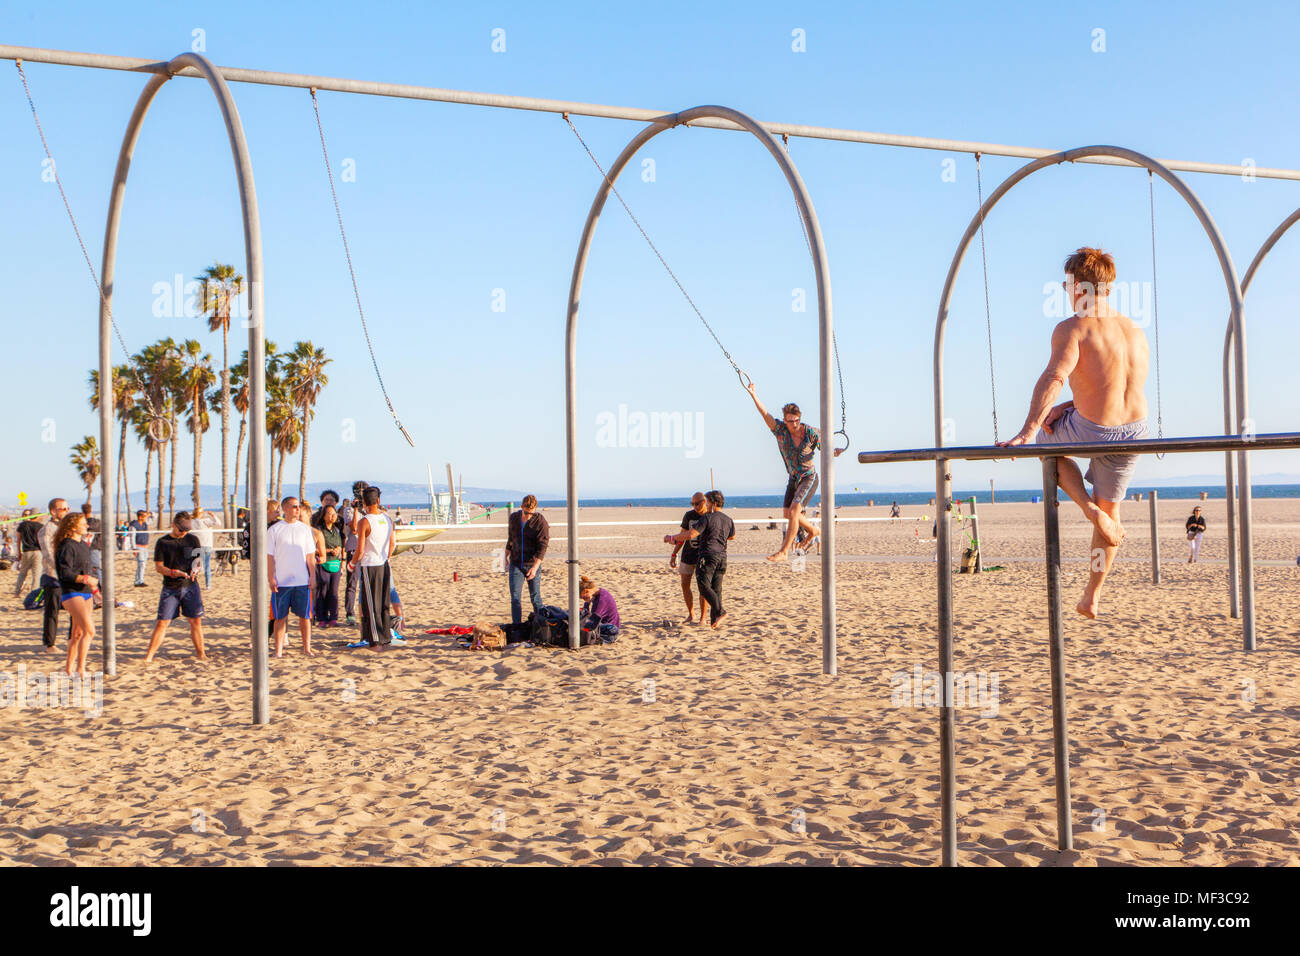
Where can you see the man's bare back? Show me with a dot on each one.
(1111, 370)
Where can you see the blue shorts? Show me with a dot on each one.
(186, 601)
(296, 599)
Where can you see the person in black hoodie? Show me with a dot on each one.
(77, 585)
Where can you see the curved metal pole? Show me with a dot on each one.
(256, 363)
(1229, 483)
(822, 269)
(946, 726)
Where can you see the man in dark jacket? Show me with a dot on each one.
(526, 542)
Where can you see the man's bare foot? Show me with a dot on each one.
(309, 652)
(148, 661)
(690, 618)
(201, 659)
(1111, 531)
(51, 649)
(1087, 606)
(279, 652)
(778, 557)
(718, 623)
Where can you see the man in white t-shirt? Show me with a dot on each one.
(291, 568)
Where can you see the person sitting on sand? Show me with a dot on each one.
(598, 608)
(77, 585)
(1103, 355)
(689, 553)
(713, 530)
(178, 556)
(798, 444)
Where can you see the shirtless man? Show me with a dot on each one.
(1104, 356)
(798, 443)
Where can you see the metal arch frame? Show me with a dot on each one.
(1230, 486)
(947, 726)
(256, 363)
(822, 269)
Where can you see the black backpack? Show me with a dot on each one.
(543, 629)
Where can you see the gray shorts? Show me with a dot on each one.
(1109, 474)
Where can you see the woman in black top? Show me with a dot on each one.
(325, 601)
(77, 583)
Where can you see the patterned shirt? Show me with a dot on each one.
(798, 458)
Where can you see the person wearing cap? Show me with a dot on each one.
(1195, 532)
(29, 551)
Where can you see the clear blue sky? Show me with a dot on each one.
(451, 202)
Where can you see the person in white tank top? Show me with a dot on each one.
(375, 541)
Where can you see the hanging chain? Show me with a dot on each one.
(835, 345)
(154, 415)
(347, 251)
(58, 181)
(1155, 304)
(655, 249)
(988, 312)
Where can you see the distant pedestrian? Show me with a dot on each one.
(29, 551)
(138, 540)
(1195, 532)
(202, 524)
(94, 536)
(527, 538)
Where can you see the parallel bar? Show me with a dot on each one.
(404, 91)
(1146, 446)
(1155, 537)
(1060, 733)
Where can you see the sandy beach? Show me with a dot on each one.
(682, 745)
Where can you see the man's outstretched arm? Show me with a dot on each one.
(1065, 356)
(767, 418)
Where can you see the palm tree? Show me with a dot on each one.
(85, 458)
(240, 397)
(195, 377)
(159, 366)
(124, 402)
(222, 285)
(305, 370)
(281, 416)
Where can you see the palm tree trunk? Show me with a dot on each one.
(121, 463)
(302, 469)
(279, 470)
(171, 476)
(239, 448)
(162, 451)
(198, 451)
(227, 518)
(148, 473)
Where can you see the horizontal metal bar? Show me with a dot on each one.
(1145, 446)
(404, 91)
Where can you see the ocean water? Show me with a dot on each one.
(1170, 492)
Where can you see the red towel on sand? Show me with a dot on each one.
(457, 631)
